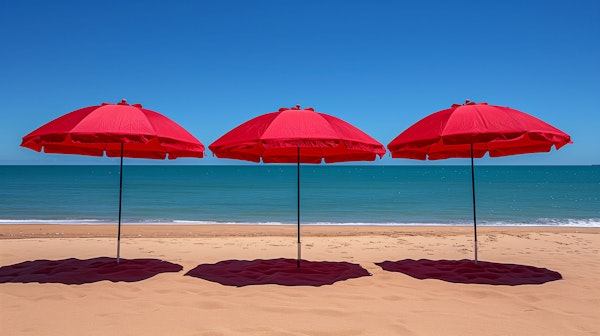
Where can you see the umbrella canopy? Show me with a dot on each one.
(100, 130)
(295, 135)
(473, 129)
(497, 130)
(275, 138)
(117, 130)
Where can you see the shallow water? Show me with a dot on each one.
(330, 194)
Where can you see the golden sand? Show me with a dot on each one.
(385, 303)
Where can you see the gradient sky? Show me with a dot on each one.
(380, 65)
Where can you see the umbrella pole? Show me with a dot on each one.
(120, 199)
(474, 208)
(298, 210)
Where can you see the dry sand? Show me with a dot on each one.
(385, 303)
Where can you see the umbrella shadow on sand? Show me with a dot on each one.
(280, 271)
(468, 272)
(76, 271)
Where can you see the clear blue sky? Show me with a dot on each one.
(380, 65)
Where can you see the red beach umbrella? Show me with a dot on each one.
(294, 135)
(473, 129)
(117, 130)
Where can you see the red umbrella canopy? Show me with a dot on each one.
(99, 130)
(497, 130)
(276, 137)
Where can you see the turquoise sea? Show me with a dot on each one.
(330, 194)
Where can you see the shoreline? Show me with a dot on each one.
(24, 231)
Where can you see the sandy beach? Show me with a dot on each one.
(382, 303)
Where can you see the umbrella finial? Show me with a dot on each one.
(467, 102)
(297, 106)
(123, 102)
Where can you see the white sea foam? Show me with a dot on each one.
(542, 222)
(54, 221)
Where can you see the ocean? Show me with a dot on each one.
(330, 194)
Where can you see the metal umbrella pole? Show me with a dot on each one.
(120, 200)
(474, 208)
(298, 209)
